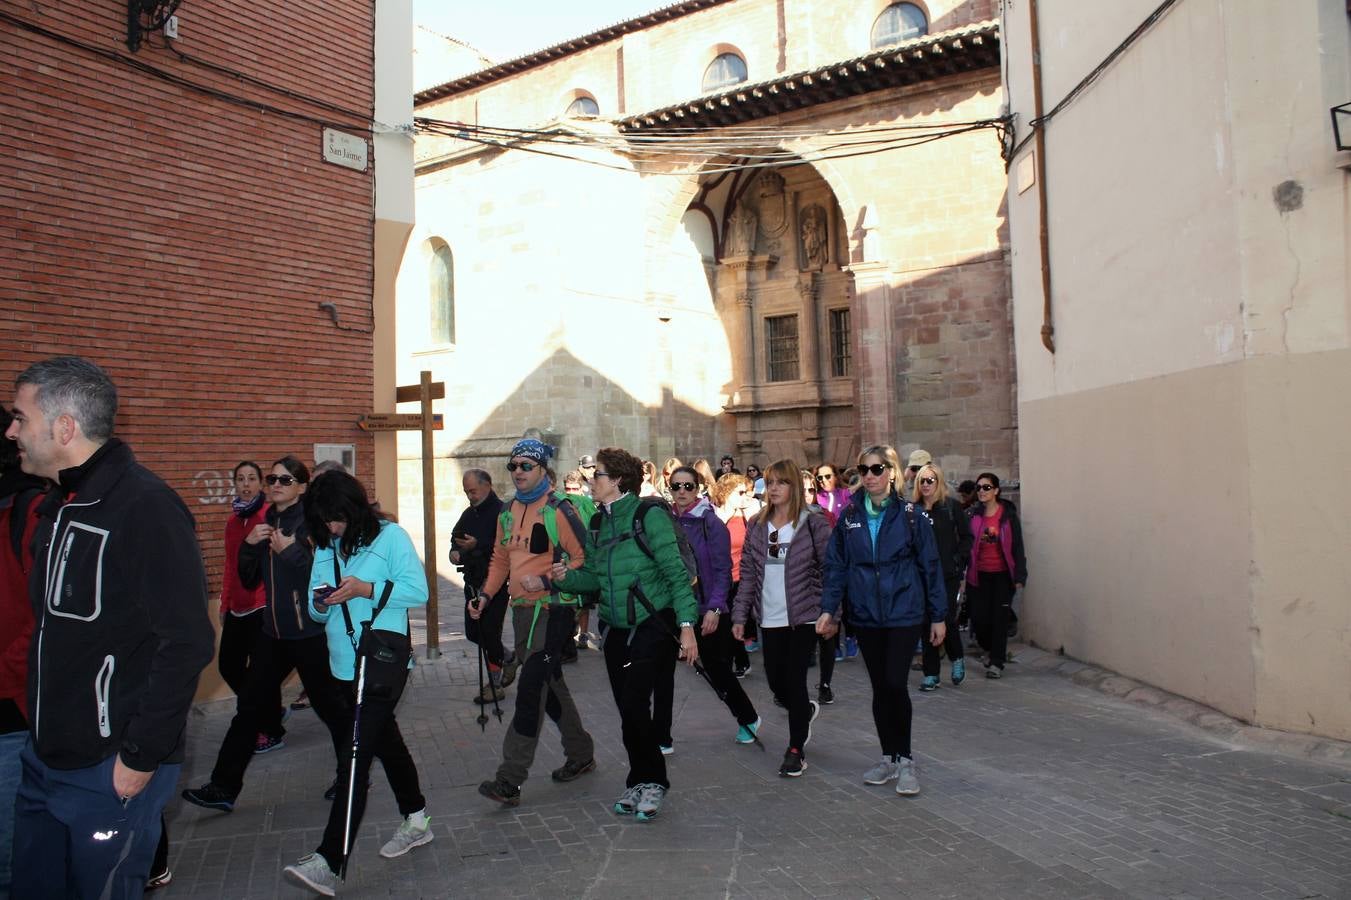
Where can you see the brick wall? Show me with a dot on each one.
(184, 242)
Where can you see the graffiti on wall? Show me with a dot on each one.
(213, 487)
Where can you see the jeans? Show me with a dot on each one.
(75, 838)
(634, 659)
(542, 691)
(240, 644)
(11, 770)
(786, 651)
(887, 653)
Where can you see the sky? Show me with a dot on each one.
(505, 30)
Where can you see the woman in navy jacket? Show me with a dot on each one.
(884, 559)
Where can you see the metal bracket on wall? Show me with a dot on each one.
(1341, 118)
(146, 16)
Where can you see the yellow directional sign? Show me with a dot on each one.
(398, 422)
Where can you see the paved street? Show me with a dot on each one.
(1034, 786)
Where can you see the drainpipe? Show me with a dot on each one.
(1039, 148)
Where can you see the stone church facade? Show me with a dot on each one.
(716, 229)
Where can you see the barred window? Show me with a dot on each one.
(839, 343)
(781, 347)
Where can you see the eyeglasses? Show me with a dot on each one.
(682, 485)
(926, 480)
(283, 480)
(984, 488)
(524, 467)
(827, 477)
(875, 468)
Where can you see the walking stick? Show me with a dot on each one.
(482, 718)
(352, 771)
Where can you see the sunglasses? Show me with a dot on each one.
(599, 474)
(822, 478)
(875, 468)
(926, 480)
(524, 467)
(984, 488)
(682, 485)
(284, 480)
(774, 544)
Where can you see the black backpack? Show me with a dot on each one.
(639, 534)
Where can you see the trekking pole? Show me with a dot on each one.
(482, 718)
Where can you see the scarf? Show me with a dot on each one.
(528, 497)
(245, 509)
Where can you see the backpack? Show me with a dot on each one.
(639, 534)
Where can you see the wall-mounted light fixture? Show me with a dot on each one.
(1341, 126)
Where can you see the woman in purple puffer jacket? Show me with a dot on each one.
(712, 545)
(781, 583)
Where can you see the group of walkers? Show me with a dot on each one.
(681, 562)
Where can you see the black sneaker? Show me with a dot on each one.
(793, 764)
(210, 796)
(571, 770)
(742, 671)
(159, 880)
(824, 695)
(499, 790)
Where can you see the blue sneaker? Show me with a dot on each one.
(839, 652)
(850, 647)
(746, 733)
(958, 671)
(752, 646)
(930, 683)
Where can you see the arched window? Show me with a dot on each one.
(728, 69)
(582, 106)
(441, 293)
(899, 22)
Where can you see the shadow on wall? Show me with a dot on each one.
(577, 410)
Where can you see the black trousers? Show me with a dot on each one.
(715, 655)
(379, 738)
(275, 660)
(952, 644)
(634, 659)
(240, 638)
(990, 599)
(887, 653)
(786, 651)
(486, 630)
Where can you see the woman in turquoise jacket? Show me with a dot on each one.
(358, 555)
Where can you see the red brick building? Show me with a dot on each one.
(169, 213)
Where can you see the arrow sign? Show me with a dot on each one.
(397, 422)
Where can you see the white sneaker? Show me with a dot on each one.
(649, 802)
(816, 711)
(906, 782)
(409, 835)
(313, 872)
(882, 772)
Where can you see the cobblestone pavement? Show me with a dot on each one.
(1033, 786)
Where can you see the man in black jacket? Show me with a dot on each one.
(472, 547)
(119, 597)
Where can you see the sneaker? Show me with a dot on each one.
(742, 671)
(907, 784)
(313, 872)
(994, 672)
(816, 711)
(266, 743)
(583, 641)
(752, 645)
(301, 702)
(930, 683)
(411, 834)
(850, 648)
(958, 671)
(503, 793)
(159, 880)
(668, 748)
(649, 801)
(793, 764)
(509, 669)
(824, 695)
(839, 652)
(628, 801)
(746, 733)
(210, 796)
(570, 771)
(881, 773)
(490, 694)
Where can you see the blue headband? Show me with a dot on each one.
(532, 449)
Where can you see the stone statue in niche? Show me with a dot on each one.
(741, 230)
(772, 204)
(814, 237)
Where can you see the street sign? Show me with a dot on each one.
(398, 422)
(412, 393)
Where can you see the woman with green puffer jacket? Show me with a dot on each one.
(644, 595)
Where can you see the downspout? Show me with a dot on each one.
(1039, 149)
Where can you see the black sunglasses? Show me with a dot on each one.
(821, 478)
(926, 480)
(875, 468)
(284, 480)
(774, 543)
(983, 488)
(682, 485)
(524, 467)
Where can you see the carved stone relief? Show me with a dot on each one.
(813, 237)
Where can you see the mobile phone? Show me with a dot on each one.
(322, 592)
